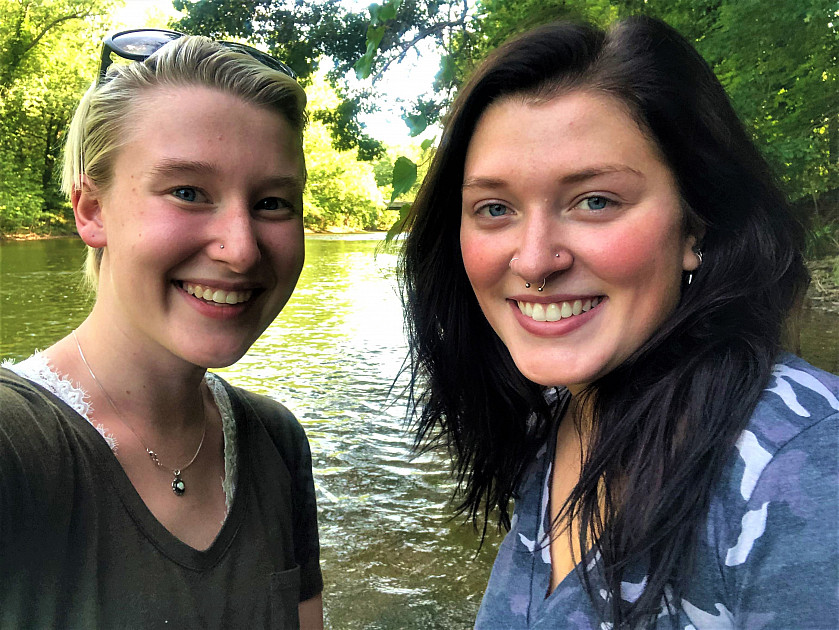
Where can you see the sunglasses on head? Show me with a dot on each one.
(139, 44)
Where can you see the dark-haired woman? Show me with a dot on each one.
(598, 276)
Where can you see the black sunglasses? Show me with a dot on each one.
(139, 44)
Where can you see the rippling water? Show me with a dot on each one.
(391, 557)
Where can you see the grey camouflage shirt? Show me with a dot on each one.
(768, 555)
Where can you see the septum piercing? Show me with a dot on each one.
(545, 279)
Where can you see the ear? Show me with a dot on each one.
(690, 261)
(87, 208)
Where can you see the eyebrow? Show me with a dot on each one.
(169, 167)
(173, 167)
(571, 178)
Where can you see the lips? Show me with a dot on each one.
(555, 311)
(217, 295)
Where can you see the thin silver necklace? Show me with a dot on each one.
(178, 485)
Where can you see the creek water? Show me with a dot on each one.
(393, 558)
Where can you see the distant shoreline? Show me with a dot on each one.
(32, 236)
(822, 294)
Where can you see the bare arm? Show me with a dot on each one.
(311, 613)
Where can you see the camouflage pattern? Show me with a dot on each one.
(768, 555)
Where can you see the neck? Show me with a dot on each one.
(164, 395)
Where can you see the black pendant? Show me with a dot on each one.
(178, 486)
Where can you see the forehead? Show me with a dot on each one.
(207, 124)
(576, 126)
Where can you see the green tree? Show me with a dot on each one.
(47, 59)
(778, 60)
(341, 191)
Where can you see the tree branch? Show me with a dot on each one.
(420, 36)
(49, 27)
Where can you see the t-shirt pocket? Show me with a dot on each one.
(285, 596)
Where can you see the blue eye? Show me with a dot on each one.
(185, 194)
(595, 203)
(494, 209)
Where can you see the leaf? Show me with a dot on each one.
(399, 224)
(447, 69)
(375, 11)
(364, 66)
(426, 144)
(389, 9)
(404, 176)
(417, 123)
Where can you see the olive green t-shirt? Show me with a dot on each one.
(79, 548)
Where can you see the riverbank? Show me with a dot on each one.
(824, 287)
(822, 294)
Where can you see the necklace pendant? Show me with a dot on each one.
(178, 485)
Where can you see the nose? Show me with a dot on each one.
(540, 254)
(234, 240)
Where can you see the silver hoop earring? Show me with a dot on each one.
(698, 253)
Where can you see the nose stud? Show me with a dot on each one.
(221, 246)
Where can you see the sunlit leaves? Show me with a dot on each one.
(404, 176)
(380, 15)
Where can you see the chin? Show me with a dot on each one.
(547, 375)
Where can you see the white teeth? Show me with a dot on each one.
(219, 296)
(555, 311)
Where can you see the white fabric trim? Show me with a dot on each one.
(38, 370)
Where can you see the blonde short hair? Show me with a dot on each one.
(99, 126)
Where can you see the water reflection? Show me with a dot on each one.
(392, 559)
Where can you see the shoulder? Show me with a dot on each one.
(24, 406)
(797, 397)
(261, 413)
(772, 519)
(770, 548)
(794, 423)
(795, 420)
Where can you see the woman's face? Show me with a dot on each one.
(575, 195)
(202, 225)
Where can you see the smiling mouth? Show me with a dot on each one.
(555, 311)
(216, 295)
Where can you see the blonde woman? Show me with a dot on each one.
(136, 489)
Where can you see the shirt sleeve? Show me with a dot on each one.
(306, 541)
(783, 570)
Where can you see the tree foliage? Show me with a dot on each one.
(778, 60)
(341, 191)
(47, 59)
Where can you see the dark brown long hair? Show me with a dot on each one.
(665, 420)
